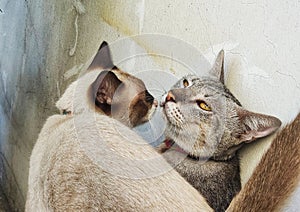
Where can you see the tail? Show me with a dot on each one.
(276, 176)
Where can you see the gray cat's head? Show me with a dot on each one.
(207, 121)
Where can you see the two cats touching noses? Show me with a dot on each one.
(206, 127)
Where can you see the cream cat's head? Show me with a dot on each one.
(207, 121)
(107, 89)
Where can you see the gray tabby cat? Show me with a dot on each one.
(209, 125)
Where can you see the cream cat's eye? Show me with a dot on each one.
(203, 105)
(185, 83)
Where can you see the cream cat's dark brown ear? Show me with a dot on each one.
(255, 125)
(218, 67)
(103, 58)
(104, 88)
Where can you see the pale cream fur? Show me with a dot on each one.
(71, 167)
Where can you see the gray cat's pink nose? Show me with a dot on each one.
(170, 97)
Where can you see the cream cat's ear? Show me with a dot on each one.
(218, 67)
(103, 58)
(104, 88)
(255, 125)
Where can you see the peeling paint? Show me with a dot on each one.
(80, 9)
(140, 12)
(4, 80)
(58, 89)
(72, 50)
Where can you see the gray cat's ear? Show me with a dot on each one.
(218, 67)
(255, 125)
(104, 88)
(103, 58)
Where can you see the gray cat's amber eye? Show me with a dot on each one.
(185, 83)
(203, 105)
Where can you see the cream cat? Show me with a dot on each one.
(90, 160)
(209, 124)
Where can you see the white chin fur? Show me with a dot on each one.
(151, 111)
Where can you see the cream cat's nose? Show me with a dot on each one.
(170, 97)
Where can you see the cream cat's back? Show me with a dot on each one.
(47, 141)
